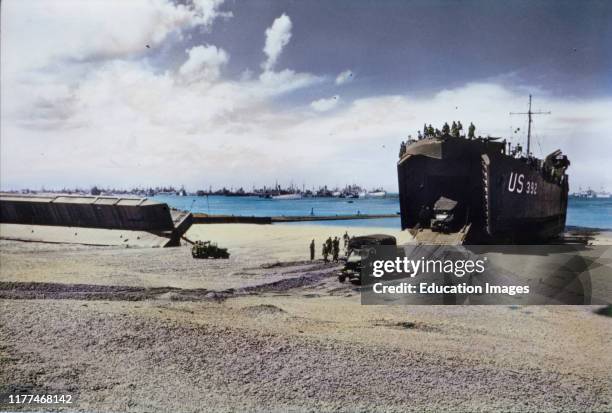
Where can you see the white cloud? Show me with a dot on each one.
(204, 63)
(325, 104)
(277, 37)
(362, 138)
(41, 32)
(344, 77)
(122, 121)
(285, 81)
(206, 11)
(277, 82)
(125, 125)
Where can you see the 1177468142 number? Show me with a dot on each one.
(40, 399)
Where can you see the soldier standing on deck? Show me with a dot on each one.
(325, 252)
(471, 130)
(312, 250)
(402, 149)
(454, 130)
(518, 148)
(430, 131)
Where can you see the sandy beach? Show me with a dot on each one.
(142, 329)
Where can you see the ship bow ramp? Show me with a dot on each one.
(440, 189)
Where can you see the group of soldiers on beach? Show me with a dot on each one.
(453, 130)
(330, 247)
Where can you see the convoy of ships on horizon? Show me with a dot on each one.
(276, 192)
(481, 188)
(292, 192)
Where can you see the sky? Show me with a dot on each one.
(201, 93)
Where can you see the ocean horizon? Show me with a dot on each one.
(581, 212)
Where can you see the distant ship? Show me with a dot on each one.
(603, 194)
(589, 193)
(460, 189)
(288, 196)
(377, 193)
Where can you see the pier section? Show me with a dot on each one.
(92, 220)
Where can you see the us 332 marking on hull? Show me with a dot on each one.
(517, 184)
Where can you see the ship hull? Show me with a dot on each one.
(519, 203)
(501, 199)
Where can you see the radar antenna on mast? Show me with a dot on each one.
(529, 113)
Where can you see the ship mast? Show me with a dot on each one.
(529, 113)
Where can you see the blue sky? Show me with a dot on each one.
(242, 93)
(425, 46)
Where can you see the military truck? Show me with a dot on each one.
(445, 215)
(207, 249)
(358, 249)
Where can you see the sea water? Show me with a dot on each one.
(590, 212)
(581, 212)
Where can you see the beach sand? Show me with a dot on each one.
(127, 329)
(281, 241)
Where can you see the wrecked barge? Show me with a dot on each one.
(91, 220)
